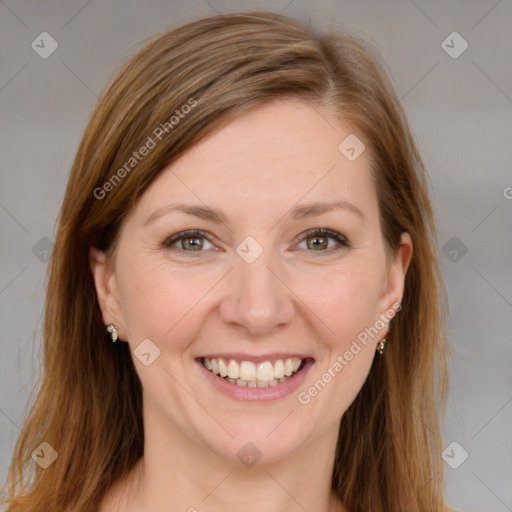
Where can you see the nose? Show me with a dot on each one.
(257, 300)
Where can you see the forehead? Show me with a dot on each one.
(280, 154)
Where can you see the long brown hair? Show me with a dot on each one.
(89, 404)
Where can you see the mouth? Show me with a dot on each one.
(251, 374)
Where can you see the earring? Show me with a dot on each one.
(381, 345)
(112, 330)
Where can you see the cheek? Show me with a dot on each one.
(159, 302)
(166, 303)
(346, 303)
(344, 298)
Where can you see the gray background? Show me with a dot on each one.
(460, 110)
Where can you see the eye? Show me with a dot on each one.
(192, 240)
(320, 240)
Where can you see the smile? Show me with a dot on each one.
(250, 374)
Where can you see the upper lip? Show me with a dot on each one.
(238, 356)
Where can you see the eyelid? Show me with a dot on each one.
(340, 238)
(188, 233)
(322, 232)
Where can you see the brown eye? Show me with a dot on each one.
(194, 243)
(191, 241)
(317, 242)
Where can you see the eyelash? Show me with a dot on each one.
(197, 233)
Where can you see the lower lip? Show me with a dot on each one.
(247, 394)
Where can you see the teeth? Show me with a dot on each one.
(265, 371)
(279, 369)
(288, 367)
(248, 374)
(248, 370)
(233, 369)
(223, 371)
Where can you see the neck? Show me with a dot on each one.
(176, 469)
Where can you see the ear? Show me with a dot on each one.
(397, 270)
(106, 290)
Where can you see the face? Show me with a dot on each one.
(253, 288)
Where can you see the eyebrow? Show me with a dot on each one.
(314, 209)
(217, 217)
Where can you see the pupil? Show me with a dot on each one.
(322, 241)
(195, 242)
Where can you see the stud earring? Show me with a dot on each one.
(112, 330)
(382, 345)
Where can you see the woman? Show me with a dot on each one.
(244, 306)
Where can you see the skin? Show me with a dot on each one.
(295, 297)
